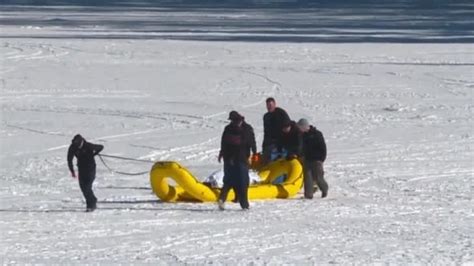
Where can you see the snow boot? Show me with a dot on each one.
(221, 205)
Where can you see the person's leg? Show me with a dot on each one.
(235, 184)
(85, 183)
(243, 185)
(266, 154)
(236, 198)
(227, 186)
(223, 195)
(308, 179)
(93, 197)
(83, 186)
(319, 176)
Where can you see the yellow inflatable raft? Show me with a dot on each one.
(188, 188)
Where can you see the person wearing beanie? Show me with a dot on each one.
(313, 157)
(84, 153)
(236, 143)
(290, 140)
(272, 124)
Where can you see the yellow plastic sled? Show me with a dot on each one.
(190, 189)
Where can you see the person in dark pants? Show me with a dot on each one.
(84, 153)
(250, 136)
(272, 124)
(236, 144)
(314, 155)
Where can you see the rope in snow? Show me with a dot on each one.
(125, 158)
(122, 158)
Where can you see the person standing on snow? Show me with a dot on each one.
(252, 144)
(84, 153)
(314, 155)
(236, 144)
(272, 125)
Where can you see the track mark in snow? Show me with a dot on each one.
(184, 119)
(36, 131)
(32, 52)
(184, 149)
(110, 137)
(276, 84)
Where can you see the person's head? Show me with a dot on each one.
(236, 118)
(271, 104)
(303, 125)
(286, 126)
(78, 141)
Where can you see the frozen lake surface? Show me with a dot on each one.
(397, 118)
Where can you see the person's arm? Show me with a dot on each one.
(323, 147)
(221, 151)
(96, 148)
(70, 156)
(300, 145)
(266, 130)
(284, 115)
(253, 143)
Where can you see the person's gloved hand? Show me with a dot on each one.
(255, 157)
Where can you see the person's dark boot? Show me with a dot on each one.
(91, 208)
(324, 194)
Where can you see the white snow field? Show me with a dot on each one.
(397, 118)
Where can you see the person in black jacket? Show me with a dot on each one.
(252, 144)
(236, 144)
(84, 153)
(272, 124)
(314, 155)
(290, 140)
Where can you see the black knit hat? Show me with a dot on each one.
(77, 139)
(235, 116)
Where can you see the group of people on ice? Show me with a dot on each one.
(282, 137)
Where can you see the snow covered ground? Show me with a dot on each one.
(398, 121)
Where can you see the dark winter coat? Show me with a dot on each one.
(291, 141)
(314, 146)
(250, 136)
(236, 143)
(272, 124)
(85, 155)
